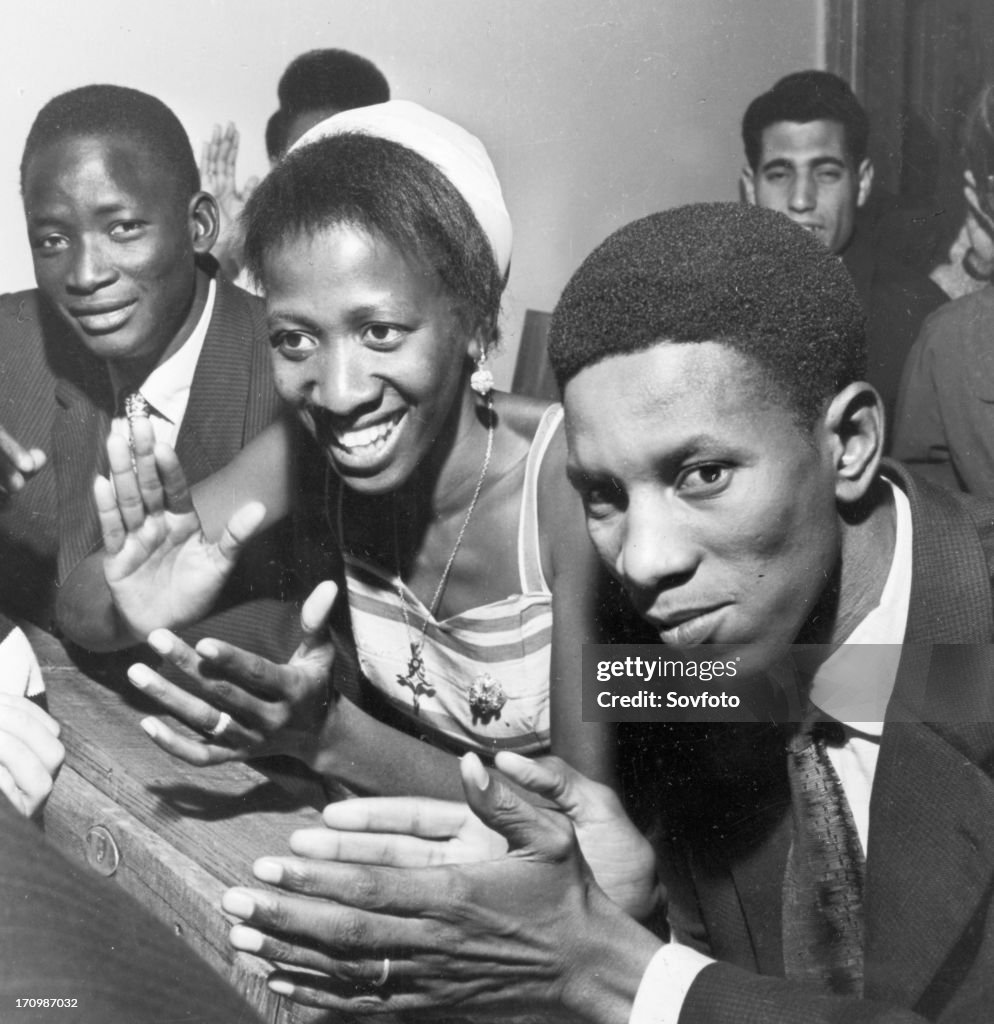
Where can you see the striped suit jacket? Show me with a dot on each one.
(56, 396)
(929, 898)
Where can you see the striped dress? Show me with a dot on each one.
(509, 640)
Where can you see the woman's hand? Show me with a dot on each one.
(247, 706)
(160, 568)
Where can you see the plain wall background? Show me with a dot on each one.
(595, 112)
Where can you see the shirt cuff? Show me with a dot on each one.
(20, 674)
(665, 984)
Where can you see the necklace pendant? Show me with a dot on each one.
(415, 679)
(486, 697)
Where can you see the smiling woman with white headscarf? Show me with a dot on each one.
(382, 245)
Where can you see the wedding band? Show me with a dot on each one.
(381, 979)
(222, 723)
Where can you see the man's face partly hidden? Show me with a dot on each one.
(714, 509)
(113, 243)
(806, 172)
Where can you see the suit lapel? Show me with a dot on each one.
(758, 878)
(79, 435)
(930, 862)
(932, 808)
(950, 580)
(742, 844)
(215, 422)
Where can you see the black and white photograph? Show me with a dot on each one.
(497, 512)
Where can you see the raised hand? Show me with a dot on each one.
(528, 930)
(247, 706)
(161, 569)
(30, 753)
(17, 464)
(217, 173)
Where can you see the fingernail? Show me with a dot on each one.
(208, 649)
(140, 676)
(244, 938)
(151, 727)
(160, 641)
(268, 871)
(238, 902)
(475, 771)
(280, 987)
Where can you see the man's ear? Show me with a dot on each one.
(205, 222)
(864, 175)
(854, 420)
(747, 185)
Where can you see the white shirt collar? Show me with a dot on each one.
(840, 685)
(167, 387)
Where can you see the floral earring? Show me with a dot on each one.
(482, 380)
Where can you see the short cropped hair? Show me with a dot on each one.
(335, 79)
(275, 135)
(735, 274)
(978, 147)
(114, 110)
(385, 190)
(803, 97)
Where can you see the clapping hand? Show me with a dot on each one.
(418, 832)
(245, 705)
(161, 569)
(401, 906)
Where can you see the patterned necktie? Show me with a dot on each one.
(823, 883)
(135, 406)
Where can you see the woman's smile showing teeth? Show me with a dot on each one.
(366, 439)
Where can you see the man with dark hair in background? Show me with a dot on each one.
(320, 83)
(130, 318)
(806, 156)
(945, 414)
(314, 86)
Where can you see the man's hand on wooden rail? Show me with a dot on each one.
(399, 905)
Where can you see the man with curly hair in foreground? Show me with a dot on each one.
(728, 455)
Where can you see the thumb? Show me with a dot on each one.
(241, 528)
(583, 800)
(316, 609)
(526, 829)
(548, 777)
(314, 616)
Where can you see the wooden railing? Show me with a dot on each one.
(173, 836)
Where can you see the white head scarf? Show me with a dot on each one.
(460, 156)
